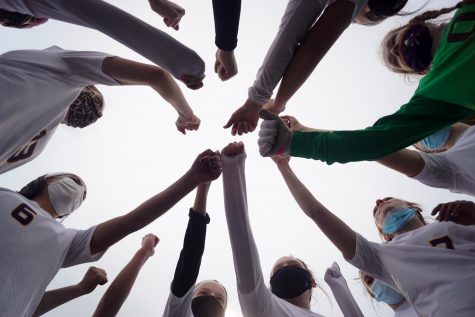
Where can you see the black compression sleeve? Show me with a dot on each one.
(226, 23)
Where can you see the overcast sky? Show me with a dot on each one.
(134, 152)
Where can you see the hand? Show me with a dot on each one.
(169, 11)
(233, 149)
(93, 277)
(149, 242)
(332, 272)
(460, 211)
(274, 136)
(192, 81)
(281, 159)
(207, 166)
(225, 65)
(294, 124)
(274, 107)
(244, 119)
(187, 123)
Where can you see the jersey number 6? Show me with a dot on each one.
(23, 214)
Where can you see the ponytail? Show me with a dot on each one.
(434, 14)
(34, 188)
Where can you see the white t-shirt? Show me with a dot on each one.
(405, 310)
(259, 302)
(151, 43)
(179, 307)
(433, 267)
(33, 247)
(453, 169)
(37, 88)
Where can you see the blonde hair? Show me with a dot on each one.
(390, 44)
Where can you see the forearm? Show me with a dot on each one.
(342, 236)
(58, 297)
(344, 298)
(226, 23)
(188, 266)
(199, 205)
(405, 161)
(297, 19)
(317, 42)
(245, 255)
(110, 232)
(119, 290)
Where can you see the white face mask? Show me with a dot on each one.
(65, 195)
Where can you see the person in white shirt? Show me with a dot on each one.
(43, 88)
(35, 245)
(383, 293)
(116, 293)
(157, 46)
(430, 265)
(291, 281)
(187, 299)
(307, 31)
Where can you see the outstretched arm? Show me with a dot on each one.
(188, 266)
(405, 161)
(129, 72)
(205, 168)
(341, 292)
(321, 37)
(342, 236)
(119, 290)
(52, 299)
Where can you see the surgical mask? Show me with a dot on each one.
(437, 140)
(84, 110)
(65, 195)
(416, 47)
(290, 282)
(397, 219)
(384, 293)
(206, 306)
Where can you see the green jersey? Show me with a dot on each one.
(444, 96)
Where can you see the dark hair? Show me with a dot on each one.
(13, 19)
(34, 188)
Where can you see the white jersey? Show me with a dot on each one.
(405, 310)
(37, 88)
(33, 247)
(298, 18)
(151, 43)
(453, 169)
(259, 301)
(433, 267)
(179, 306)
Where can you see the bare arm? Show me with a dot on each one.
(342, 236)
(119, 290)
(405, 161)
(52, 299)
(110, 232)
(321, 37)
(129, 72)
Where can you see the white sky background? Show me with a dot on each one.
(134, 152)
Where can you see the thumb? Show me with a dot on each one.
(267, 115)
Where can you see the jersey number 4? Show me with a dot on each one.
(23, 214)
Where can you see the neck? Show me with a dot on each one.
(394, 307)
(301, 301)
(457, 129)
(414, 224)
(436, 31)
(46, 205)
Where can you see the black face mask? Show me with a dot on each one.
(416, 47)
(290, 282)
(206, 306)
(386, 8)
(84, 110)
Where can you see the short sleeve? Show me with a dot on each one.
(368, 258)
(80, 249)
(436, 172)
(179, 306)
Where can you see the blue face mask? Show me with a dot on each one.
(384, 293)
(437, 140)
(397, 219)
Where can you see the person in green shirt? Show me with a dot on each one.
(445, 95)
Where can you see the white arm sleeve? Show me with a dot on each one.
(151, 43)
(80, 249)
(179, 307)
(343, 295)
(245, 255)
(296, 21)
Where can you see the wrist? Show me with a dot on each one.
(249, 104)
(81, 289)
